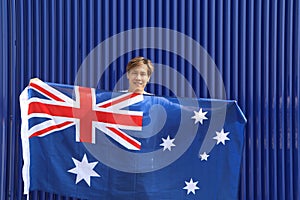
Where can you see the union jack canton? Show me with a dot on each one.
(85, 114)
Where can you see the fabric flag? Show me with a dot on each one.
(92, 144)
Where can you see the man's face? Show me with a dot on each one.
(138, 78)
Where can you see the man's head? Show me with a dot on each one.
(138, 70)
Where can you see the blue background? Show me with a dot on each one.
(255, 44)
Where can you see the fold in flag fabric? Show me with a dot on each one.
(92, 144)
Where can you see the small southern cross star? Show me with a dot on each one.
(199, 116)
(204, 156)
(221, 137)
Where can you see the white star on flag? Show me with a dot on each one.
(199, 116)
(84, 170)
(204, 156)
(167, 143)
(191, 186)
(221, 137)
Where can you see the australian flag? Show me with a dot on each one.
(92, 144)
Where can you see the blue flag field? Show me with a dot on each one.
(92, 144)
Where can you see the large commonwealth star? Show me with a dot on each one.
(84, 170)
(191, 186)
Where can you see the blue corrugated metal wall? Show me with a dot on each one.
(255, 45)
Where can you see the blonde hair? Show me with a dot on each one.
(139, 61)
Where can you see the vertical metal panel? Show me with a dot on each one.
(4, 112)
(296, 86)
(273, 113)
(265, 98)
(258, 139)
(242, 92)
(255, 45)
